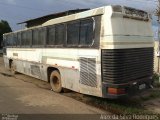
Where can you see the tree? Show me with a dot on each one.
(4, 28)
(157, 13)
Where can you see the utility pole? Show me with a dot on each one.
(158, 15)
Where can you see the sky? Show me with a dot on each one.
(15, 11)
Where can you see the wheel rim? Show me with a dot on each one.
(12, 68)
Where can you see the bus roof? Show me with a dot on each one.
(81, 15)
(40, 20)
(76, 16)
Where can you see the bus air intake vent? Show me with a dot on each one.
(125, 65)
(88, 72)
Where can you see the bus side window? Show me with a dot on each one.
(28, 38)
(51, 35)
(4, 41)
(60, 34)
(24, 38)
(73, 33)
(86, 32)
(18, 39)
(42, 36)
(35, 37)
(39, 37)
(9, 40)
(14, 36)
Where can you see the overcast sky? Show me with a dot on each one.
(15, 11)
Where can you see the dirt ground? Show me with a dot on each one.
(153, 104)
(22, 94)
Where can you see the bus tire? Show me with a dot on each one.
(13, 68)
(55, 81)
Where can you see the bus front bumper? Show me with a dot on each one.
(118, 91)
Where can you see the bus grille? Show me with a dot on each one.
(124, 65)
(88, 72)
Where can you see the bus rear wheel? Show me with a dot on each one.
(55, 81)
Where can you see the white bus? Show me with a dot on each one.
(105, 52)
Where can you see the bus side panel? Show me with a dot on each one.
(90, 72)
(75, 74)
(70, 78)
(6, 62)
(36, 70)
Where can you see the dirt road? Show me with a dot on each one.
(20, 97)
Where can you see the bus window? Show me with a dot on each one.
(4, 41)
(60, 34)
(73, 33)
(18, 39)
(51, 35)
(86, 32)
(39, 36)
(42, 36)
(23, 38)
(29, 37)
(9, 40)
(35, 37)
(14, 36)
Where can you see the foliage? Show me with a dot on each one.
(4, 28)
(156, 80)
(155, 77)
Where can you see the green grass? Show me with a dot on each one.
(133, 105)
(153, 95)
(122, 106)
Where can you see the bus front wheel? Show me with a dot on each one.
(13, 68)
(55, 81)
